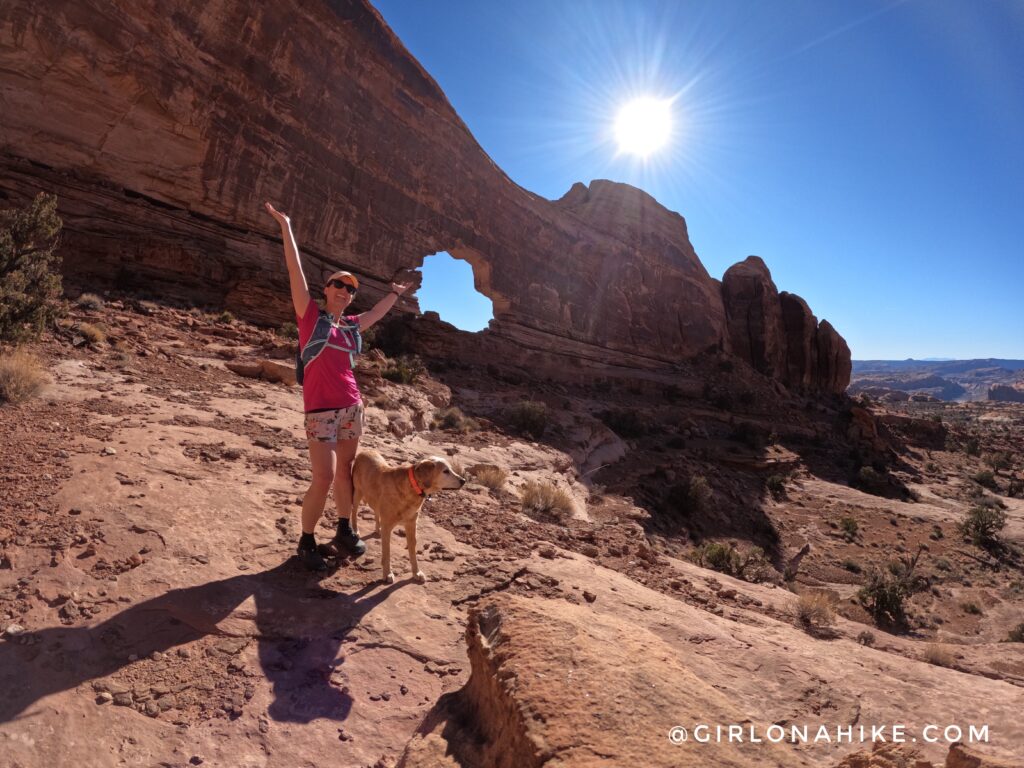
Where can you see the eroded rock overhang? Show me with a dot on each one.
(164, 131)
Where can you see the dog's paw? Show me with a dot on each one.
(420, 577)
(389, 578)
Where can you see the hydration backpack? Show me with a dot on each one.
(351, 342)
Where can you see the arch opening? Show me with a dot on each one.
(448, 288)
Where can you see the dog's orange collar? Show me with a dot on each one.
(415, 485)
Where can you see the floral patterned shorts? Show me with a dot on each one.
(332, 426)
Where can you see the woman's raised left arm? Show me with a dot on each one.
(371, 316)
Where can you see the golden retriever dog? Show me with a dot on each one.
(396, 495)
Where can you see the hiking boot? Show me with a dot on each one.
(311, 558)
(347, 542)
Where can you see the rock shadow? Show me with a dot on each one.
(299, 627)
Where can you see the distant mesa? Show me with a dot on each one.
(945, 380)
(1007, 394)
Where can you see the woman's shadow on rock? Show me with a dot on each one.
(299, 627)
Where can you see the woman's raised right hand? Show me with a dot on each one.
(282, 218)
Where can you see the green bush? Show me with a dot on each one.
(998, 460)
(870, 480)
(884, 594)
(751, 565)
(404, 370)
(30, 285)
(690, 497)
(625, 423)
(528, 417)
(985, 479)
(850, 528)
(289, 330)
(982, 525)
(718, 557)
(750, 434)
(776, 485)
(1016, 635)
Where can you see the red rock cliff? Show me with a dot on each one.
(163, 127)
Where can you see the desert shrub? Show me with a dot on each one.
(690, 497)
(544, 498)
(776, 485)
(89, 301)
(722, 401)
(1015, 488)
(999, 460)
(936, 533)
(454, 418)
(870, 480)
(931, 466)
(21, 376)
(529, 417)
(866, 638)
(814, 609)
(971, 607)
(718, 557)
(986, 479)
(625, 423)
(491, 477)
(943, 564)
(750, 434)
(751, 565)
(982, 525)
(972, 446)
(289, 330)
(94, 334)
(1016, 635)
(938, 655)
(849, 527)
(883, 594)
(852, 566)
(225, 317)
(30, 285)
(404, 370)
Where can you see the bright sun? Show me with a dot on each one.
(643, 126)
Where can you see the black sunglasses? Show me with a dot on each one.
(338, 284)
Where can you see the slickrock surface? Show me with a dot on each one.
(163, 129)
(152, 612)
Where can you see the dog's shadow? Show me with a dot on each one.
(298, 625)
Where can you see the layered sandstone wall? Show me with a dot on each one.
(163, 128)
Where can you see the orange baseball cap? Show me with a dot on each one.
(345, 277)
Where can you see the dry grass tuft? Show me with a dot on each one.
(491, 477)
(94, 334)
(21, 376)
(938, 655)
(814, 609)
(89, 301)
(542, 497)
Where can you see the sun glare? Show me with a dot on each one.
(643, 126)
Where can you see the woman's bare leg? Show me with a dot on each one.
(346, 539)
(346, 454)
(322, 460)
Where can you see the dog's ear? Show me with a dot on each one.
(425, 472)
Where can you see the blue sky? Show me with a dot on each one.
(872, 153)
